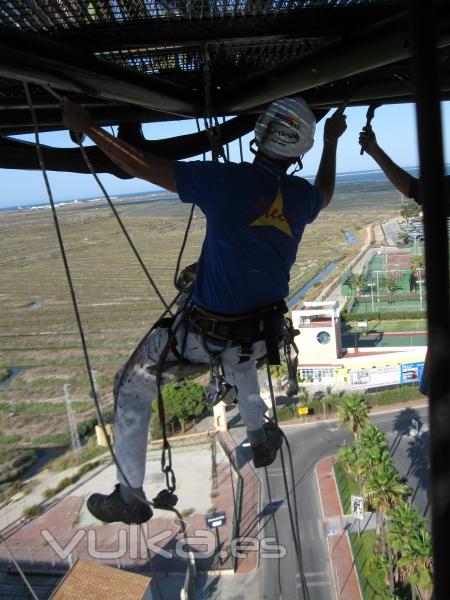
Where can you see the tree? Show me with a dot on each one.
(416, 560)
(354, 412)
(372, 436)
(391, 283)
(404, 520)
(410, 210)
(384, 488)
(358, 282)
(372, 448)
(278, 372)
(183, 401)
(416, 266)
(348, 458)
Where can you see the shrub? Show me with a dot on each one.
(6, 439)
(393, 395)
(32, 511)
(65, 483)
(155, 427)
(393, 315)
(4, 374)
(87, 467)
(49, 493)
(54, 439)
(285, 413)
(67, 460)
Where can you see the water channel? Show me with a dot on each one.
(317, 279)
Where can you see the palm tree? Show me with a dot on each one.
(372, 436)
(370, 458)
(416, 266)
(416, 560)
(354, 412)
(372, 448)
(348, 458)
(278, 372)
(358, 282)
(391, 284)
(404, 520)
(384, 488)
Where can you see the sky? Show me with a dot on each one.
(394, 125)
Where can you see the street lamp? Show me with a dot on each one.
(419, 270)
(371, 284)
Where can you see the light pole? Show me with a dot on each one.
(371, 284)
(419, 270)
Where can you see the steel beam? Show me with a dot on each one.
(429, 126)
(375, 46)
(32, 59)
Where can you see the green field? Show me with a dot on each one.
(38, 332)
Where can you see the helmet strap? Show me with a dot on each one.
(252, 150)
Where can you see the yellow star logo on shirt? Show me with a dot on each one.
(274, 217)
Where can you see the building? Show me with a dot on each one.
(323, 360)
(89, 580)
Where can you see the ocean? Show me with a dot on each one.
(157, 196)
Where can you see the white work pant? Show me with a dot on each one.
(137, 390)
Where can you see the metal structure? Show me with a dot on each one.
(136, 61)
(74, 437)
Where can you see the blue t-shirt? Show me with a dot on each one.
(255, 217)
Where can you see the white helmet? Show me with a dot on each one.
(285, 129)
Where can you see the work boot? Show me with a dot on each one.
(112, 508)
(265, 454)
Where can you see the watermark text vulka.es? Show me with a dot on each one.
(135, 543)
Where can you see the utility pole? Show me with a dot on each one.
(74, 437)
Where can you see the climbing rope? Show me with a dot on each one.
(19, 570)
(114, 210)
(293, 513)
(84, 345)
(166, 461)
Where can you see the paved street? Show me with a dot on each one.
(310, 443)
(280, 577)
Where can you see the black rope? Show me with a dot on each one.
(122, 226)
(19, 570)
(294, 521)
(114, 210)
(198, 129)
(183, 245)
(280, 587)
(240, 150)
(84, 345)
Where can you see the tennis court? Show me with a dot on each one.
(384, 340)
(387, 285)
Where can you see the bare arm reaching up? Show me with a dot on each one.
(138, 164)
(326, 174)
(399, 178)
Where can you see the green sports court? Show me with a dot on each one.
(388, 283)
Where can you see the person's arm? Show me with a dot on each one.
(399, 178)
(136, 163)
(326, 174)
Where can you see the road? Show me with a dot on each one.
(391, 230)
(309, 443)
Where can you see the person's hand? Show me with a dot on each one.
(367, 140)
(335, 125)
(75, 117)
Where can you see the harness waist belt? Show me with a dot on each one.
(249, 326)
